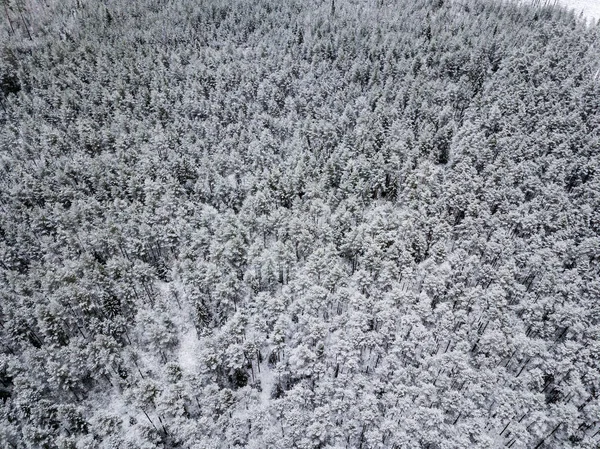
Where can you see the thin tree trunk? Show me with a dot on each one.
(23, 19)
(9, 23)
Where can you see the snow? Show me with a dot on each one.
(589, 8)
(188, 351)
(181, 315)
(267, 381)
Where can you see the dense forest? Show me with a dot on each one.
(298, 224)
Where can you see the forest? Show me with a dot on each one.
(299, 224)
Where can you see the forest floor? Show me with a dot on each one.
(589, 8)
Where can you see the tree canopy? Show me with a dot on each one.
(298, 224)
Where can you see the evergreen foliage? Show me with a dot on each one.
(298, 224)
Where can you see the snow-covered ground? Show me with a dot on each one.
(590, 8)
(189, 348)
